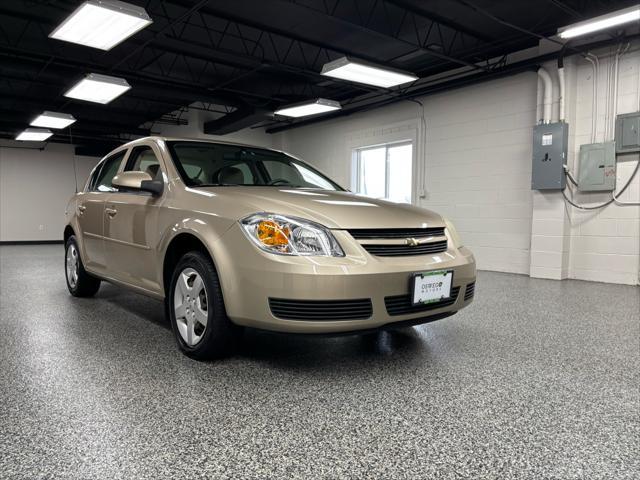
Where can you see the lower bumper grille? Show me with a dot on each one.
(469, 291)
(319, 310)
(401, 304)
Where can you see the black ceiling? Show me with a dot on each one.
(252, 56)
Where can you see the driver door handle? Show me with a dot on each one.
(111, 212)
(81, 209)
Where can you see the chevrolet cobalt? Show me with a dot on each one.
(232, 236)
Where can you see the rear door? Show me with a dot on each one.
(131, 228)
(90, 211)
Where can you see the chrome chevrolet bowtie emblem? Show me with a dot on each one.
(412, 242)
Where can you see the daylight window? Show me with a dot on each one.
(385, 171)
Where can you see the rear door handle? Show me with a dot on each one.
(111, 212)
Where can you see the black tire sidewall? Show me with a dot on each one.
(218, 338)
(87, 285)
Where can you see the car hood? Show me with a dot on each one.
(330, 208)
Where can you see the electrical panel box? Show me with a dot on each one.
(549, 156)
(597, 167)
(628, 133)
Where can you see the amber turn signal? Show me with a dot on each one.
(272, 234)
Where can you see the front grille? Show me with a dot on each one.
(401, 304)
(379, 233)
(321, 309)
(469, 291)
(406, 250)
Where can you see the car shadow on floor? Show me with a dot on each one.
(142, 307)
(282, 350)
(288, 351)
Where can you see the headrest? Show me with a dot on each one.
(231, 175)
(152, 170)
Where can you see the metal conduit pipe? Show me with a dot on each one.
(548, 92)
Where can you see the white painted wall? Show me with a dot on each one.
(605, 245)
(475, 168)
(477, 171)
(478, 160)
(35, 186)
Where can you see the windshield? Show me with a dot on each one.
(215, 164)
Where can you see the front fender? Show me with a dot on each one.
(207, 229)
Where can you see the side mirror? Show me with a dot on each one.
(137, 181)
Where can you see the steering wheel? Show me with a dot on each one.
(277, 181)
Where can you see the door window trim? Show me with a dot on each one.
(98, 171)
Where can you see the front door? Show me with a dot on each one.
(90, 212)
(131, 227)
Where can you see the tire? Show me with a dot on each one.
(82, 283)
(194, 298)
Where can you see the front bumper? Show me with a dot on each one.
(250, 277)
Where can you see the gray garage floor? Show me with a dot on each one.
(537, 379)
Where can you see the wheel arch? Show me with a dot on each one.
(180, 244)
(68, 232)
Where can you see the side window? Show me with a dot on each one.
(94, 177)
(142, 159)
(107, 172)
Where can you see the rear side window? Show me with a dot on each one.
(143, 159)
(108, 170)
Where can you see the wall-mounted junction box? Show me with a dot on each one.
(597, 167)
(628, 133)
(549, 156)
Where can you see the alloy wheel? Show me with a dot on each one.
(73, 264)
(191, 306)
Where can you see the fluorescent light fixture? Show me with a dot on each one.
(363, 72)
(102, 24)
(613, 19)
(53, 120)
(98, 88)
(310, 107)
(34, 134)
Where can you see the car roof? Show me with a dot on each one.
(159, 138)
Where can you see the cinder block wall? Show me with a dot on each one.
(476, 169)
(477, 160)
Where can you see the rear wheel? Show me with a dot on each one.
(79, 282)
(196, 309)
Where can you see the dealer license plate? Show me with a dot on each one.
(429, 287)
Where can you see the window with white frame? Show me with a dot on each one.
(384, 171)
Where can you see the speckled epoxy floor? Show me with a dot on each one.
(537, 379)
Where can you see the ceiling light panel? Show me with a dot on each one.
(34, 135)
(361, 72)
(313, 107)
(602, 22)
(102, 24)
(98, 88)
(53, 120)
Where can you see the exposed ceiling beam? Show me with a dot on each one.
(464, 79)
(397, 38)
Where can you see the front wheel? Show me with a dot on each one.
(79, 282)
(196, 309)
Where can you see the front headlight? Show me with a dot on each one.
(290, 235)
(453, 233)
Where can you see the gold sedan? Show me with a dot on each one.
(233, 236)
